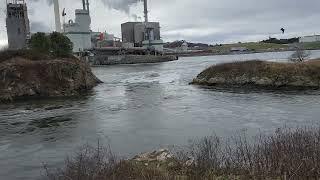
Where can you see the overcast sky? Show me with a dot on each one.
(208, 21)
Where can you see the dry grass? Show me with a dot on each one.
(26, 54)
(285, 154)
(251, 71)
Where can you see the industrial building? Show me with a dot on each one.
(142, 34)
(104, 39)
(134, 32)
(139, 38)
(17, 21)
(306, 39)
(79, 31)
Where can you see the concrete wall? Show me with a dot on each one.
(18, 29)
(81, 41)
(129, 59)
(127, 32)
(83, 20)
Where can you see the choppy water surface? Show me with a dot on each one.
(141, 108)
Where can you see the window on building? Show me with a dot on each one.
(19, 31)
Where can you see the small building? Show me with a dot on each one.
(306, 39)
(17, 21)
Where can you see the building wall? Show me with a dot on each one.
(139, 33)
(127, 32)
(81, 41)
(79, 31)
(18, 29)
(133, 32)
(314, 38)
(83, 20)
(156, 29)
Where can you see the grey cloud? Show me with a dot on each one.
(208, 21)
(50, 2)
(39, 27)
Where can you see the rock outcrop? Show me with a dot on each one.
(262, 74)
(21, 77)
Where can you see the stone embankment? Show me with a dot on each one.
(262, 74)
(21, 77)
(129, 59)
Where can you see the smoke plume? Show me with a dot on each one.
(121, 5)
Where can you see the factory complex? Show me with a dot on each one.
(138, 38)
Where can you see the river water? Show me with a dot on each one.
(142, 108)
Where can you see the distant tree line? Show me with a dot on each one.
(281, 41)
(54, 44)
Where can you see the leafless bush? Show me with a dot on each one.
(288, 153)
(88, 163)
(285, 154)
(99, 163)
(300, 54)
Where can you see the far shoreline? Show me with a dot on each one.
(202, 54)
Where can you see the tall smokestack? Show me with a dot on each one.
(88, 7)
(57, 15)
(84, 4)
(146, 11)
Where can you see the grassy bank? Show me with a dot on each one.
(251, 46)
(32, 55)
(285, 154)
(262, 73)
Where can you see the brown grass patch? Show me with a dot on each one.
(251, 71)
(28, 55)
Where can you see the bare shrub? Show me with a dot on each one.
(285, 154)
(290, 153)
(300, 54)
(99, 163)
(88, 163)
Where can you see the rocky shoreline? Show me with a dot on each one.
(25, 78)
(262, 74)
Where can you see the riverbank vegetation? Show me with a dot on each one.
(285, 154)
(42, 47)
(47, 69)
(262, 74)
